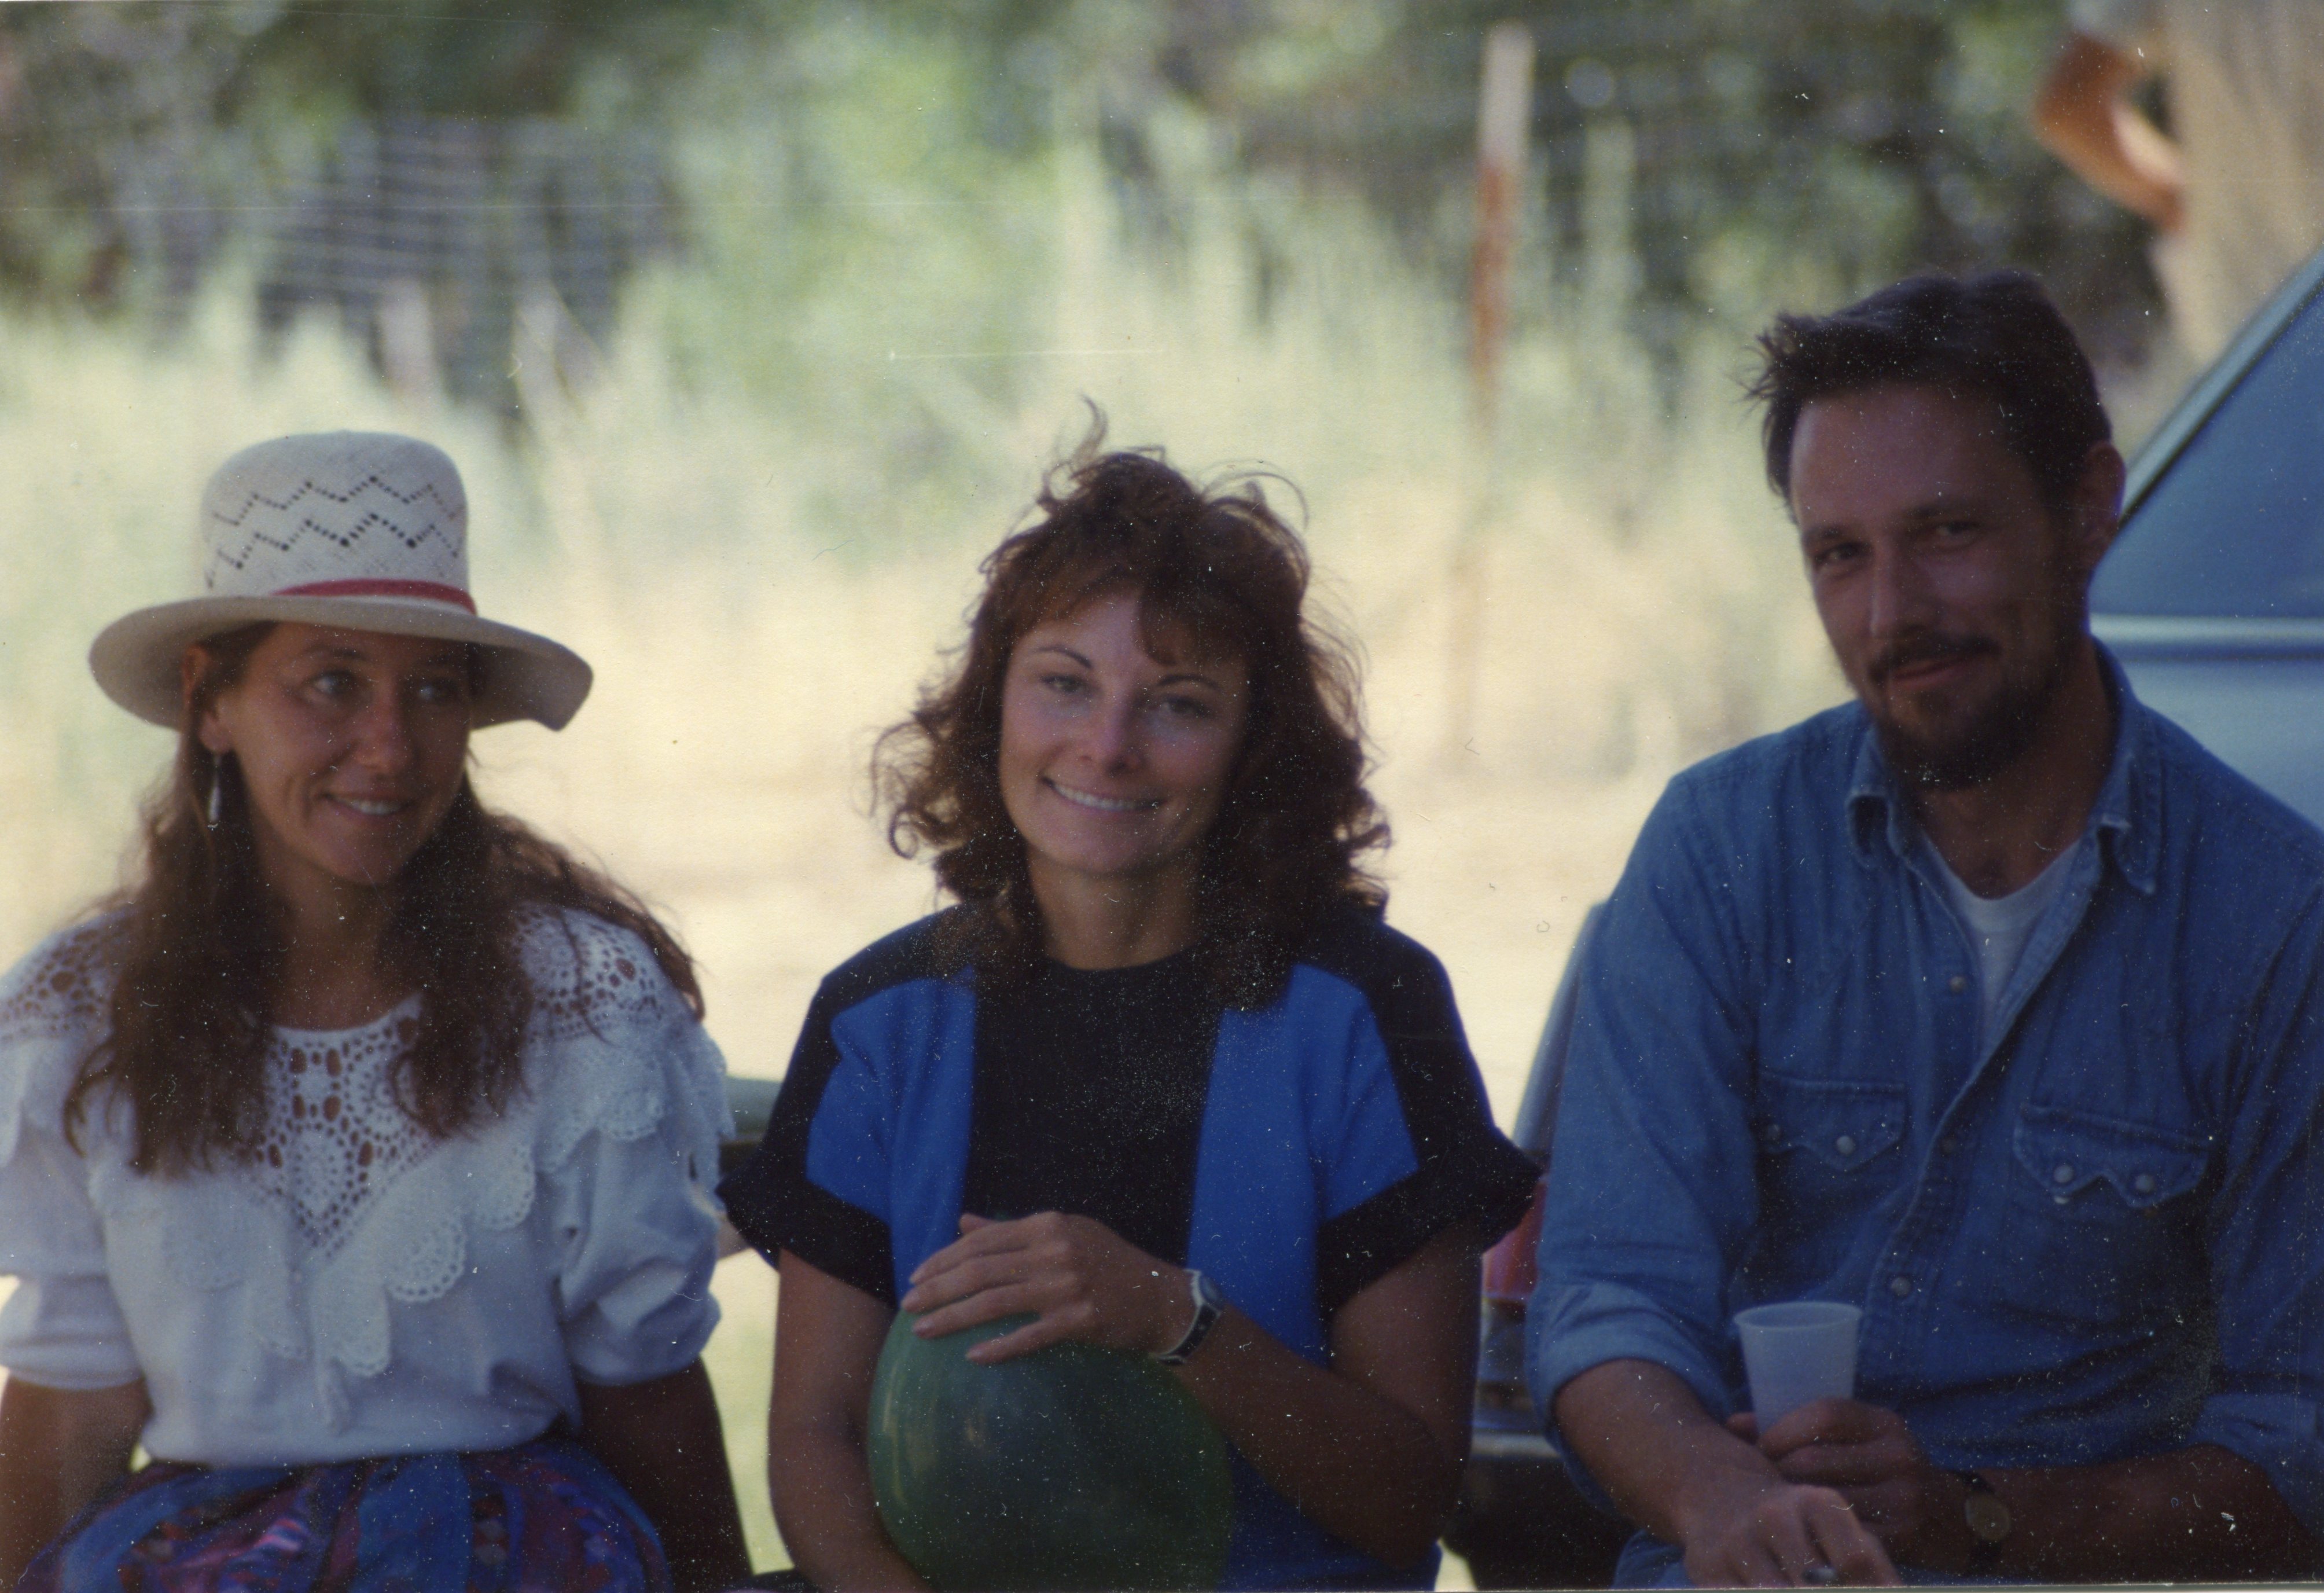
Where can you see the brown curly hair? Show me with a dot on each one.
(1220, 571)
(193, 944)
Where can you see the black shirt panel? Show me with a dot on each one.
(1088, 1098)
(1089, 1095)
(1468, 1172)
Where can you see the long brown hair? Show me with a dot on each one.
(193, 944)
(1216, 570)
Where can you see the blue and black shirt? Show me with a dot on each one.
(1295, 1153)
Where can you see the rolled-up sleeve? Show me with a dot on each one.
(1651, 1189)
(2268, 1260)
(67, 1333)
(61, 1327)
(639, 1232)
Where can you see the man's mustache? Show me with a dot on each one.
(1913, 651)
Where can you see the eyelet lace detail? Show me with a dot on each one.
(334, 1134)
(61, 990)
(52, 1008)
(349, 1203)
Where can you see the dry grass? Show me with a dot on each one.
(1634, 603)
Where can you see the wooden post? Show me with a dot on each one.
(1503, 109)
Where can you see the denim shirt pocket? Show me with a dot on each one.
(1824, 1146)
(2097, 1215)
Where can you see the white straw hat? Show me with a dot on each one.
(359, 529)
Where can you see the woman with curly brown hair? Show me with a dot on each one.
(353, 1161)
(1162, 1080)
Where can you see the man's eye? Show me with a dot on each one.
(447, 690)
(333, 683)
(1832, 554)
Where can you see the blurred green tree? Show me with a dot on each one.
(146, 133)
(516, 57)
(1808, 149)
(1694, 158)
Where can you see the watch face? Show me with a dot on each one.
(1989, 1518)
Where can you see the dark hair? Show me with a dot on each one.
(194, 945)
(1217, 565)
(1997, 335)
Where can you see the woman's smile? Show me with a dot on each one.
(1104, 804)
(372, 810)
(1113, 762)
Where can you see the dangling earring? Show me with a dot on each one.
(217, 789)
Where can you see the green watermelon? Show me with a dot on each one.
(1071, 1468)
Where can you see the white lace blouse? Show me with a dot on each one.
(361, 1288)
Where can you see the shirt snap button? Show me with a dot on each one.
(1957, 983)
(2065, 1173)
(1845, 1145)
(1900, 1286)
(2144, 1183)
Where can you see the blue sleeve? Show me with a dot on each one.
(817, 1184)
(1414, 1150)
(1652, 1188)
(1369, 1148)
(2267, 1263)
(847, 1140)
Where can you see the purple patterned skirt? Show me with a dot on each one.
(545, 1515)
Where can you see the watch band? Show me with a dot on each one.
(1209, 1306)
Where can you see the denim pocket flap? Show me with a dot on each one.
(2066, 1152)
(1841, 1123)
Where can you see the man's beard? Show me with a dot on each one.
(1999, 731)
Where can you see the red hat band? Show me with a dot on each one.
(427, 591)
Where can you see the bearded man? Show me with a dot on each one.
(1987, 1003)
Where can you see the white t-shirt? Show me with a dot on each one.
(1998, 927)
(362, 1289)
(2246, 83)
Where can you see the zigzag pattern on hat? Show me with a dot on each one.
(446, 525)
(364, 530)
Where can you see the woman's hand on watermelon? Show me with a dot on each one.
(1077, 1278)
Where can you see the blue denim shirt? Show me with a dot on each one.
(2098, 1236)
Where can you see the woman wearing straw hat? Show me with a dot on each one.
(352, 1161)
(1163, 1081)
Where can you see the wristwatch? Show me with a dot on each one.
(1987, 1517)
(1209, 1306)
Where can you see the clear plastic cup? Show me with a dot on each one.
(1797, 1352)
